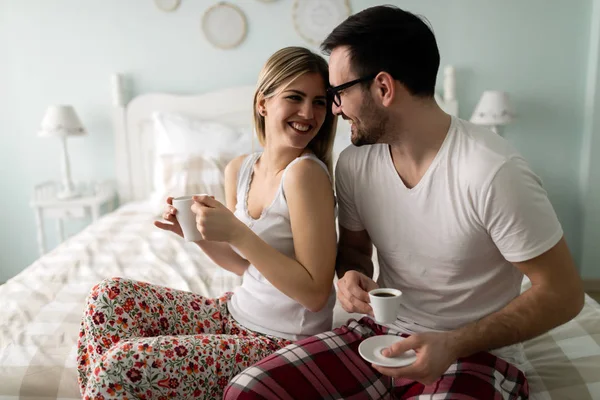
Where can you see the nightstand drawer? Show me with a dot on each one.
(60, 212)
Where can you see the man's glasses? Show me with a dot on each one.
(334, 92)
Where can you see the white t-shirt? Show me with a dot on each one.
(448, 242)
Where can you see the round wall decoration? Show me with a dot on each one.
(167, 5)
(315, 19)
(224, 25)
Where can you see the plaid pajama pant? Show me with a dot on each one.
(328, 366)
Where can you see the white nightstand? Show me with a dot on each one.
(46, 204)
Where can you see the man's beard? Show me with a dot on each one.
(374, 127)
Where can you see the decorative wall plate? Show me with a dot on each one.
(224, 25)
(167, 5)
(315, 19)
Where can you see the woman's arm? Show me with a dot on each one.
(220, 252)
(307, 279)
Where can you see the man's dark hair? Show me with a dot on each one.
(386, 38)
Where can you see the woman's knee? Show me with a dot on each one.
(114, 282)
(111, 287)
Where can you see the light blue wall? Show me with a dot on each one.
(64, 51)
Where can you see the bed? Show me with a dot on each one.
(41, 307)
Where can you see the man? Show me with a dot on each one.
(457, 217)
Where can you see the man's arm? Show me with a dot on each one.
(517, 213)
(354, 267)
(556, 296)
(355, 252)
(355, 248)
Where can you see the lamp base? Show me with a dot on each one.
(68, 190)
(67, 194)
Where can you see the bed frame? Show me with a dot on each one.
(231, 106)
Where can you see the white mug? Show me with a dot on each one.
(385, 303)
(187, 218)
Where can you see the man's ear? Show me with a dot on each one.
(385, 86)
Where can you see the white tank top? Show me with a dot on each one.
(257, 304)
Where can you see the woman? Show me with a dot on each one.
(277, 230)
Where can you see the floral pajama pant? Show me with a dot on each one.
(139, 340)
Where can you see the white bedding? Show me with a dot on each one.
(40, 309)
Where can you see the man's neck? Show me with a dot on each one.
(416, 141)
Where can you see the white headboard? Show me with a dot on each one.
(134, 138)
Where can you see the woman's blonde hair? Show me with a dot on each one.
(281, 69)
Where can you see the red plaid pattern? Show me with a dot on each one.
(328, 366)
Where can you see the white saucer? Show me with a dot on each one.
(371, 348)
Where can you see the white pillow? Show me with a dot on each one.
(190, 174)
(178, 134)
(184, 146)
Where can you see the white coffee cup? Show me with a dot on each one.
(187, 218)
(385, 303)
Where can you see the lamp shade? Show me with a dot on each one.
(61, 120)
(494, 108)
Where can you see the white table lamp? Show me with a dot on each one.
(494, 109)
(62, 121)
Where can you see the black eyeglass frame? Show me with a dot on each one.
(334, 92)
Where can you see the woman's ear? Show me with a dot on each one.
(261, 106)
